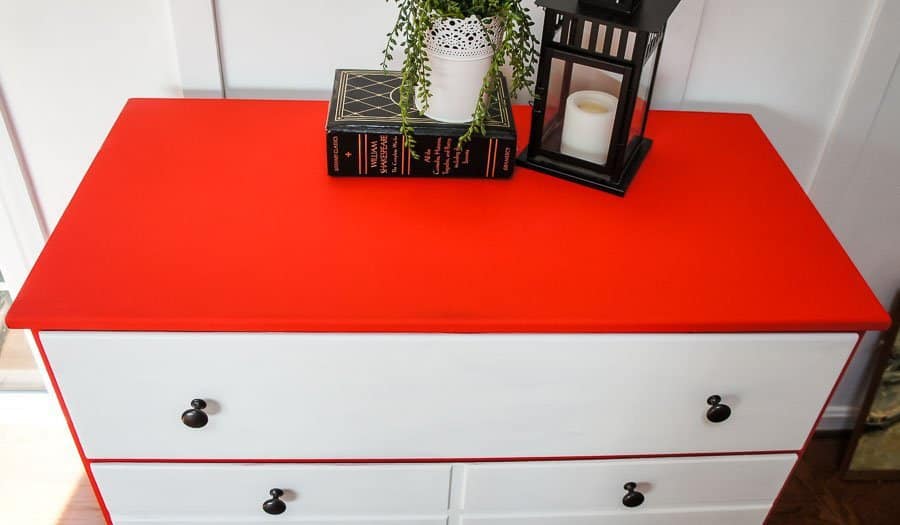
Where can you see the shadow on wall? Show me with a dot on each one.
(279, 94)
(782, 129)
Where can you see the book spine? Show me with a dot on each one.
(386, 155)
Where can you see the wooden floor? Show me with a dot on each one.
(41, 482)
(815, 493)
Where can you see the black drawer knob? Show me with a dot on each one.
(633, 498)
(274, 505)
(195, 417)
(718, 411)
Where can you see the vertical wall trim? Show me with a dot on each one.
(839, 417)
(832, 186)
(21, 217)
(197, 47)
(874, 67)
(217, 27)
(690, 64)
(682, 34)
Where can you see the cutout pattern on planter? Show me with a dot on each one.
(462, 38)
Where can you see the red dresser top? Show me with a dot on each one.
(218, 215)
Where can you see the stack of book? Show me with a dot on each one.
(364, 136)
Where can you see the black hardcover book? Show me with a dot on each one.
(364, 134)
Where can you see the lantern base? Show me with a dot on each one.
(551, 167)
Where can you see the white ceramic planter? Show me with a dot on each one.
(459, 53)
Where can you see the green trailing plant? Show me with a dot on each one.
(516, 46)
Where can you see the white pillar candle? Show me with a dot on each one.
(588, 125)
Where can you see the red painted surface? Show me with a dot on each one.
(217, 215)
(513, 459)
(65, 410)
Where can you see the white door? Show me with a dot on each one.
(21, 239)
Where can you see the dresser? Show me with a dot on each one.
(234, 337)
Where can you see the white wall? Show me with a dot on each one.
(303, 43)
(857, 189)
(66, 68)
(867, 222)
(302, 51)
(788, 63)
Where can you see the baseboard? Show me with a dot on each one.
(840, 417)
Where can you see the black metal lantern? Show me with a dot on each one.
(595, 79)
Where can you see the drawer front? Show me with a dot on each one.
(585, 486)
(235, 492)
(345, 396)
(726, 516)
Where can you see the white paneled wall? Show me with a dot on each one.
(289, 49)
(856, 188)
(197, 47)
(304, 42)
(66, 68)
(677, 59)
(788, 63)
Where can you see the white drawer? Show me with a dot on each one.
(358, 494)
(364, 396)
(719, 516)
(586, 486)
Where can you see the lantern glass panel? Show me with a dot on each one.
(580, 110)
(642, 103)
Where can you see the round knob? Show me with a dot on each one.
(718, 411)
(274, 505)
(633, 498)
(195, 417)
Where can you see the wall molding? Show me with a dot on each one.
(197, 48)
(839, 417)
(869, 79)
(843, 191)
(682, 34)
(23, 228)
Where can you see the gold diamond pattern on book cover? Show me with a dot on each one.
(373, 96)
